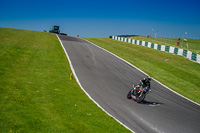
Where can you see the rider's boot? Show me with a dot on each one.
(148, 90)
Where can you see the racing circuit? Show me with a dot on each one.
(107, 79)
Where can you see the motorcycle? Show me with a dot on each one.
(138, 93)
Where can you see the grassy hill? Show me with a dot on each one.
(36, 93)
(174, 71)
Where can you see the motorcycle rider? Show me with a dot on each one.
(145, 83)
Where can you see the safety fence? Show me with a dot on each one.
(182, 52)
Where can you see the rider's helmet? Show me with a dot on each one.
(149, 78)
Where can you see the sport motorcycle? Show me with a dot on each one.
(138, 93)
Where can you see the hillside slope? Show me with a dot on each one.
(36, 93)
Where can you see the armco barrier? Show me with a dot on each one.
(182, 52)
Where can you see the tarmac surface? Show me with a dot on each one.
(107, 79)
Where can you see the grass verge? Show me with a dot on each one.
(36, 93)
(174, 71)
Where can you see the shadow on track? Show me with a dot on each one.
(150, 103)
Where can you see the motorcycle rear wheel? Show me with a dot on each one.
(141, 98)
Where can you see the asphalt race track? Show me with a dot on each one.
(107, 79)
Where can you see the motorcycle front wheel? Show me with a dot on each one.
(129, 95)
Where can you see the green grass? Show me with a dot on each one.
(36, 93)
(193, 44)
(174, 71)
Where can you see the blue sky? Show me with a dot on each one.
(90, 18)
